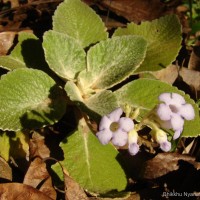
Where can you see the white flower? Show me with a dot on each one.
(161, 138)
(133, 147)
(173, 111)
(114, 128)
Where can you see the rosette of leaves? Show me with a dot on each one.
(79, 51)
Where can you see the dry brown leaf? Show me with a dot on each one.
(48, 189)
(5, 170)
(18, 191)
(38, 146)
(14, 3)
(73, 191)
(188, 76)
(194, 62)
(36, 173)
(192, 78)
(164, 163)
(168, 74)
(6, 42)
(136, 10)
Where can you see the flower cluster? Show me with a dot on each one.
(119, 130)
(173, 111)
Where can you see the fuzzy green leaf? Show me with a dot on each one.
(29, 99)
(143, 94)
(164, 41)
(102, 102)
(27, 53)
(78, 20)
(111, 61)
(14, 144)
(98, 169)
(63, 54)
(95, 106)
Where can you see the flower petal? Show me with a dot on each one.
(187, 111)
(177, 99)
(177, 122)
(104, 123)
(133, 148)
(126, 124)
(120, 138)
(165, 97)
(104, 136)
(165, 146)
(177, 133)
(164, 112)
(115, 115)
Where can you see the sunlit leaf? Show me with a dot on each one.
(63, 54)
(29, 99)
(79, 21)
(111, 61)
(98, 169)
(5, 146)
(164, 41)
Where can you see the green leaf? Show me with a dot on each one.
(113, 60)
(27, 53)
(73, 92)
(10, 62)
(98, 169)
(29, 99)
(14, 144)
(164, 41)
(63, 54)
(96, 105)
(102, 102)
(76, 19)
(5, 146)
(143, 94)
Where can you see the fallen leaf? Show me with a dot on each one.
(164, 163)
(14, 3)
(194, 62)
(188, 76)
(135, 10)
(36, 173)
(192, 78)
(9, 191)
(48, 189)
(168, 74)
(38, 146)
(5, 170)
(6, 41)
(73, 191)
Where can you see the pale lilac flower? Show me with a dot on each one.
(133, 147)
(161, 138)
(173, 111)
(114, 128)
